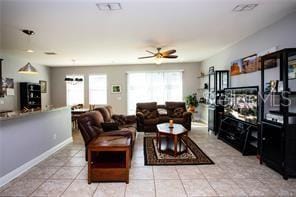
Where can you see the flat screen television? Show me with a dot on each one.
(242, 103)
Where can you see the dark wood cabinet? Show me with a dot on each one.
(30, 96)
(240, 135)
(278, 112)
(218, 81)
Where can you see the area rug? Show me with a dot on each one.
(194, 156)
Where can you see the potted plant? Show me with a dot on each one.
(191, 102)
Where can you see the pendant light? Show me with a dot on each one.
(73, 79)
(28, 68)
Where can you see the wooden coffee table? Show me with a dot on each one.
(109, 159)
(172, 135)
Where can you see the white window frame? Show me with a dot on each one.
(105, 89)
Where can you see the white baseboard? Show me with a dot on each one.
(26, 166)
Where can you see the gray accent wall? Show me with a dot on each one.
(10, 66)
(117, 75)
(280, 34)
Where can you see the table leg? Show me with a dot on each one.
(187, 142)
(89, 166)
(159, 141)
(175, 145)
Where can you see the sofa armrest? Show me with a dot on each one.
(187, 115)
(131, 119)
(140, 115)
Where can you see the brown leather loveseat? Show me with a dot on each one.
(150, 114)
(90, 125)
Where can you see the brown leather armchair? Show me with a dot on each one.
(177, 112)
(147, 116)
(90, 127)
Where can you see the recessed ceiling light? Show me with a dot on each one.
(244, 7)
(109, 6)
(30, 51)
(50, 53)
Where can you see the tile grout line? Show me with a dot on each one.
(154, 181)
(186, 193)
(59, 167)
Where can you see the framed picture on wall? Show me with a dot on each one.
(250, 64)
(116, 89)
(236, 67)
(43, 86)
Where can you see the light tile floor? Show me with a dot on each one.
(65, 174)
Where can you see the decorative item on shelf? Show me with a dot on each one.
(171, 123)
(191, 102)
(206, 86)
(267, 87)
(280, 86)
(211, 69)
(292, 68)
(273, 85)
(202, 100)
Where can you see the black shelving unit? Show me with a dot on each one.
(218, 80)
(278, 112)
(1, 91)
(30, 96)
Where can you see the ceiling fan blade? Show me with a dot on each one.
(166, 53)
(170, 56)
(150, 52)
(146, 57)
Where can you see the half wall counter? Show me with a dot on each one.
(28, 138)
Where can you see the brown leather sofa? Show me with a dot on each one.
(150, 114)
(90, 125)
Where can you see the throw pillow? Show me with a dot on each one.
(178, 112)
(109, 126)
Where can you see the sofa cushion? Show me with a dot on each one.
(151, 121)
(162, 112)
(119, 119)
(105, 113)
(178, 112)
(149, 114)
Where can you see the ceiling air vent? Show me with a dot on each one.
(244, 7)
(109, 6)
(50, 53)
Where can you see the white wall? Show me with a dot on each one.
(281, 34)
(10, 66)
(117, 75)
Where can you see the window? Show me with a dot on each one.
(75, 90)
(97, 89)
(154, 86)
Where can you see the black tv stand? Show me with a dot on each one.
(240, 135)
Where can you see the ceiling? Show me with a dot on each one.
(76, 29)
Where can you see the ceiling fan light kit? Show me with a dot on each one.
(159, 55)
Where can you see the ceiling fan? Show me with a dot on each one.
(159, 54)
